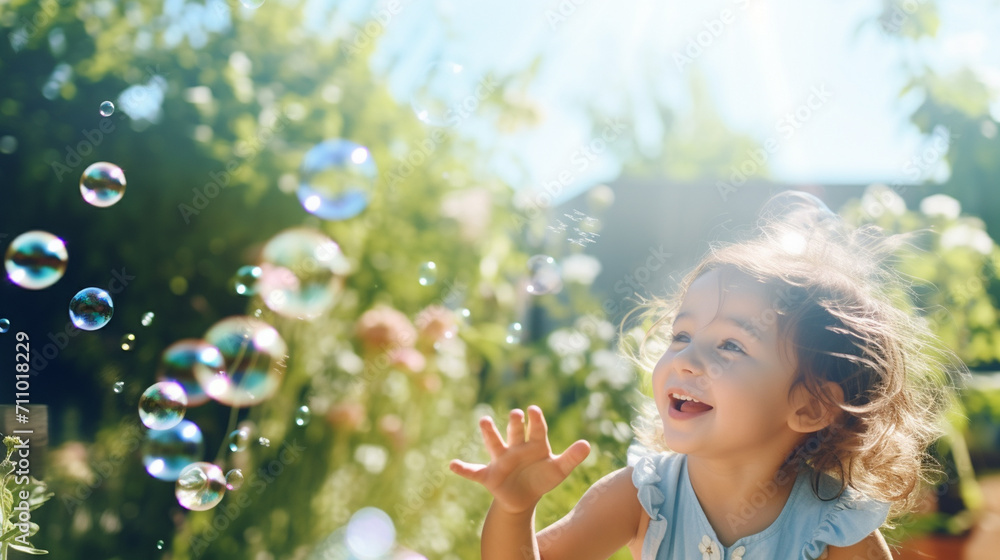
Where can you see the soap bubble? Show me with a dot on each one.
(302, 416)
(200, 486)
(239, 439)
(302, 271)
(514, 333)
(336, 179)
(253, 354)
(544, 275)
(182, 358)
(91, 309)
(162, 405)
(159, 545)
(102, 184)
(442, 95)
(234, 479)
(147, 319)
(166, 452)
(128, 342)
(36, 260)
(107, 109)
(119, 386)
(264, 441)
(428, 273)
(245, 281)
(370, 534)
(4, 325)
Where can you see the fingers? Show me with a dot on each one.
(471, 471)
(515, 427)
(573, 456)
(537, 429)
(491, 437)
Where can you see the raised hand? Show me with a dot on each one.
(523, 469)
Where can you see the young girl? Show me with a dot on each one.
(794, 400)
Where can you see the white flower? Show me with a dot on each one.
(738, 553)
(941, 205)
(965, 235)
(709, 550)
(580, 268)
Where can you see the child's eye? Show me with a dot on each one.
(731, 346)
(679, 337)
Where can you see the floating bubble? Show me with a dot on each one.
(234, 479)
(200, 486)
(253, 355)
(182, 358)
(162, 405)
(119, 386)
(147, 319)
(91, 309)
(245, 281)
(264, 441)
(107, 109)
(302, 271)
(4, 325)
(544, 275)
(336, 179)
(166, 452)
(102, 184)
(159, 545)
(514, 333)
(370, 534)
(36, 260)
(128, 341)
(239, 439)
(428, 273)
(442, 95)
(302, 416)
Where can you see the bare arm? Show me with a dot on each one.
(873, 547)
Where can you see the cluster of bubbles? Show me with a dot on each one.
(102, 184)
(147, 319)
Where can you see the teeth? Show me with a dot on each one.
(683, 397)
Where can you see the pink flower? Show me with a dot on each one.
(384, 328)
(408, 359)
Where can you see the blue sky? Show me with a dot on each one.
(761, 59)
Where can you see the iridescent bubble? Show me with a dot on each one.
(514, 333)
(200, 486)
(107, 109)
(128, 342)
(147, 319)
(166, 452)
(159, 544)
(36, 260)
(428, 273)
(234, 479)
(4, 325)
(336, 179)
(544, 275)
(91, 309)
(181, 360)
(264, 441)
(239, 439)
(443, 94)
(245, 281)
(253, 354)
(370, 534)
(162, 405)
(119, 386)
(302, 415)
(102, 184)
(302, 272)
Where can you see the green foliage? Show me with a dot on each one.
(30, 492)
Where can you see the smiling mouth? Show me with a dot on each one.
(687, 403)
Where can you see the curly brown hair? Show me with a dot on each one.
(848, 318)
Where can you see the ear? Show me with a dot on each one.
(810, 414)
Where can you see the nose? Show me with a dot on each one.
(688, 361)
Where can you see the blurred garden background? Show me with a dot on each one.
(421, 212)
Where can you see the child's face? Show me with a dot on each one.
(727, 355)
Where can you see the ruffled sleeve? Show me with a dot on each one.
(646, 479)
(847, 521)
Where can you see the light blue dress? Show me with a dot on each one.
(679, 530)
